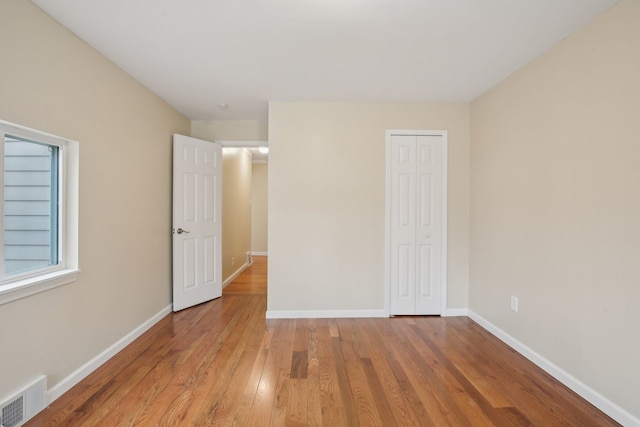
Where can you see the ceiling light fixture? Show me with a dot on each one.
(223, 106)
(263, 150)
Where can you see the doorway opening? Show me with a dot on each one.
(244, 210)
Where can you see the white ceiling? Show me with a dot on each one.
(196, 54)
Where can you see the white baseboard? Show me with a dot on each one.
(338, 314)
(323, 314)
(596, 399)
(455, 312)
(79, 374)
(260, 253)
(235, 274)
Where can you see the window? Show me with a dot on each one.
(31, 208)
(39, 214)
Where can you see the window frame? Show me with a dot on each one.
(18, 286)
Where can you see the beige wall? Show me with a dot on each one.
(259, 206)
(236, 209)
(53, 82)
(327, 201)
(229, 130)
(556, 205)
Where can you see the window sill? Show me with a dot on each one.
(33, 285)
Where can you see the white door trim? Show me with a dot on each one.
(387, 231)
(240, 144)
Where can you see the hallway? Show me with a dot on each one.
(252, 281)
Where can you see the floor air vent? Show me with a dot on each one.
(13, 413)
(20, 407)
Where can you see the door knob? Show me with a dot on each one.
(180, 231)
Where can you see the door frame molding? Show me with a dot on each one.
(243, 143)
(387, 225)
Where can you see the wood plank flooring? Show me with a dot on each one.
(222, 364)
(253, 280)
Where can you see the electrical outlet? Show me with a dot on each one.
(514, 303)
(233, 261)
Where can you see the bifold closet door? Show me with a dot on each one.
(416, 224)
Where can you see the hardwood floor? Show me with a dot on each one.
(222, 364)
(253, 280)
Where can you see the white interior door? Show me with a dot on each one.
(417, 233)
(197, 226)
